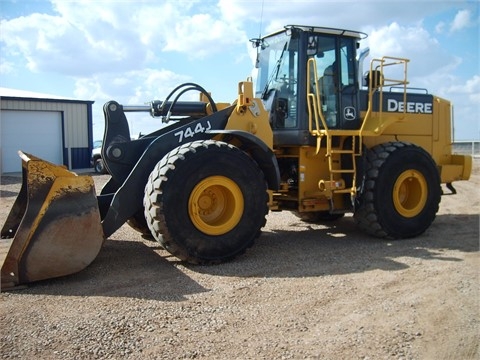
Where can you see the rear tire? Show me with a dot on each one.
(206, 202)
(402, 191)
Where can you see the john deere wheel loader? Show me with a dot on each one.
(317, 137)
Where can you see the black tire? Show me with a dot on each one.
(319, 216)
(402, 191)
(193, 202)
(100, 167)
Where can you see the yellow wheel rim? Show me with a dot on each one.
(410, 193)
(216, 205)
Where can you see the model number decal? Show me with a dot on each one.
(190, 131)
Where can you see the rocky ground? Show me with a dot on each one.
(304, 291)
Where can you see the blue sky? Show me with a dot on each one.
(137, 51)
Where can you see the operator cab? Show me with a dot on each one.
(284, 79)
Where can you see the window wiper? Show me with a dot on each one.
(275, 72)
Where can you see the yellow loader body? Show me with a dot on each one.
(318, 137)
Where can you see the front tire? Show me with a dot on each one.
(402, 191)
(206, 202)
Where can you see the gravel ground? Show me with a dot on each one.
(304, 291)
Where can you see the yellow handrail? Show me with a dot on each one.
(314, 98)
(377, 81)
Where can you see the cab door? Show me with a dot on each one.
(348, 109)
(337, 80)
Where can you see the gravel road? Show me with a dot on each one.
(303, 291)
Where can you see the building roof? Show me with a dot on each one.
(30, 95)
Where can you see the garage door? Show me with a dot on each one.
(35, 132)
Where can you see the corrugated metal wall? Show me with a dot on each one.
(76, 123)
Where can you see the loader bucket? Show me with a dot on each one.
(53, 228)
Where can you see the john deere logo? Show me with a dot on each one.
(349, 113)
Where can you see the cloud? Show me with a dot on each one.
(84, 38)
(469, 88)
(465, 96)
(29, 35)
(439, 28)
(132, 87)
(88, 37)
(6, 67)
(133, 51)
(58, 44)
(207, 31)
(425, 53)
(176, 26)
(347, 14)
(461, 21)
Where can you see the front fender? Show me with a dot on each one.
(259, 151)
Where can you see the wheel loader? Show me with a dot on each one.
(318, 135)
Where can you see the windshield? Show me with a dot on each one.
(276, 64)
(276, 85)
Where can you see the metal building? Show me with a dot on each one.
(55, 129)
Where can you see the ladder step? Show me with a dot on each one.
(344, 191)
(334, 151)
(342, 171)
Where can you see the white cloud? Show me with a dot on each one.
(111, 48)
(55, 44)
(91, 37)
(425, 53)
(134, 87)
(88, 37)
(201, 35)
(29, 35)
(347, 14)
(465, 97)
(461, 20)
(7, 67)
(89, 88)
(470, 88)
(439, 28)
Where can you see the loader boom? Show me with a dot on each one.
(130, 162)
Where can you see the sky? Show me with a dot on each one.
(137, 51)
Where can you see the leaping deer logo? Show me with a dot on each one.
(349, 113)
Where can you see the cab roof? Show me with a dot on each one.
(322, 30)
